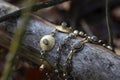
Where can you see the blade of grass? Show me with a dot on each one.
(110, 38)
(15, 43)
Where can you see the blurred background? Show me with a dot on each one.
(85, 15)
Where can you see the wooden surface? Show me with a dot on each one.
(94, 62)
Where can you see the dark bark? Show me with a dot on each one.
(94, 62)
(36, 7)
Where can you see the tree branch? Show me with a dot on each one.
(94, 62)
(35, 7)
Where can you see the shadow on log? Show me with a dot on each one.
(94, 62)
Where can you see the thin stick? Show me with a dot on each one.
(35, 7)
(15, 43)
(110, 39)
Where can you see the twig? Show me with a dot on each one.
(35, 7)
(15, 43)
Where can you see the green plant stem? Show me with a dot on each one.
(15, 43)
(110, 38)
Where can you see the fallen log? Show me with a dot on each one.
(93, 62)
